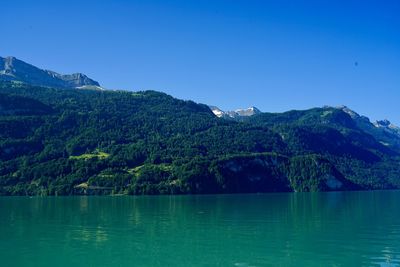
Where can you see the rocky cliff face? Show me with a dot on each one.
(13, 69)
(273, 173)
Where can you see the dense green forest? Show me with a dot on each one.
(70, 141)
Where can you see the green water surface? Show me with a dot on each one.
(291, 229)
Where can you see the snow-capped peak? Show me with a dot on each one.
(234, 114)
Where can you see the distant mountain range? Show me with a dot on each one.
(57, 140)
(13, 69)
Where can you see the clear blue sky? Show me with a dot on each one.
(276, 55)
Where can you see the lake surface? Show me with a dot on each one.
(298, 229)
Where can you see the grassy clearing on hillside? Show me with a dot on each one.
(86, 156)
(163, 166)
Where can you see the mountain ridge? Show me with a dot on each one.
(383, 130)
(13, 69)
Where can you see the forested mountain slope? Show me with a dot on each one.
(68, 141)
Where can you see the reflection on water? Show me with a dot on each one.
(310, 229)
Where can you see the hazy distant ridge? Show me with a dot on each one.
(13, 69)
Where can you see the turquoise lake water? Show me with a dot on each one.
(289, 229)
